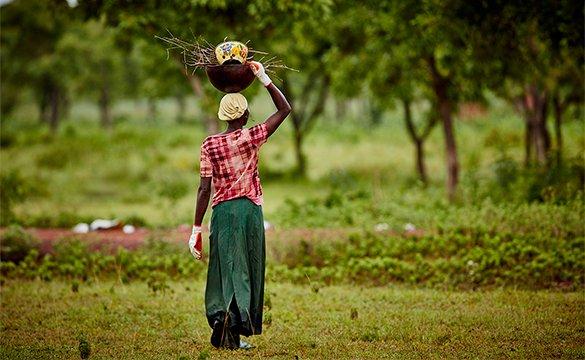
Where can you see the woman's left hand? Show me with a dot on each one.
(196, 243)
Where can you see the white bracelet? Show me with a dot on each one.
(196, 229)
(264, 79)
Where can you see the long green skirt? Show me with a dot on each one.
(237, 258)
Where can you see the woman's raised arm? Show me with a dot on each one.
(283, 108)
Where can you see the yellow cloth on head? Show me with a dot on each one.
(232, 107)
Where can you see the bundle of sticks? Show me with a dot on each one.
(200, 53)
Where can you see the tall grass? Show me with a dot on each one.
(127, 171)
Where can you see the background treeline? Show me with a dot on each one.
(440, 54)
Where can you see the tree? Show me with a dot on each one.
(31, 30)
(413, 46)
(96, 65)
(532, 54)
(308, 43)
(242, 20)
(393, 80)
(158, 78)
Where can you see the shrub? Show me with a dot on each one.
(58, 156)
(72, 258)
(64, 219)
(14, 189)
(16, 244)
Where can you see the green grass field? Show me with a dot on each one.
(89, 172)
(516, 236)
(45, 320)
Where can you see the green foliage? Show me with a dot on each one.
(16, 244)
(29, 56)
(74, 259)
(531, 246)
(75, 286)
(400, 321)
(465, 260)
(58, 157)
(478, 244)
(511, 182)
(157, 282)
(204, 355)
(13, 191)
(173, 188)
(62, 219)
(84, 347)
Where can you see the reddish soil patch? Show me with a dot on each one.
(113, 238)
(106, 239)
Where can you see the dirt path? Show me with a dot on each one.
(113, 238)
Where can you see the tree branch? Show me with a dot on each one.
(319, 106)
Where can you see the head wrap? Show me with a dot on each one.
(232, 107)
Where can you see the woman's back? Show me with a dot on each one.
(231, 159)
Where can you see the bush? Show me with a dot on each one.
(7, 139)
(448, 260)
(16, 244)
(72, 258)
(58, 156)
(14, 189)
(64, 219)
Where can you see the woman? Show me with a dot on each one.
(234, 294)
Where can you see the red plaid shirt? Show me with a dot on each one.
(232, 161)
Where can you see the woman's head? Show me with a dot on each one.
(233, 107)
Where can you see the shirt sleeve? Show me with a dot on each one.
(259, 134)
(205, 168)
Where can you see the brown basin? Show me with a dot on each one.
(230, 78)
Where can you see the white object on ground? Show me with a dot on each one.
(81, 228)
(409, 227)
(128, 229)
(267, 225)
(381, 227)
(98, 224)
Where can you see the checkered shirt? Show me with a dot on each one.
(232, 161)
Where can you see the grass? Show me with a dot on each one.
(149, 171)
(45, 320)
(93, 173)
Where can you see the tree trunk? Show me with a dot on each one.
(450, 147)
(440, 87)
(537, 136)
(542, 135)
(340, 110)
(375, 114)
(299, 155)
(105, 113)
(54, 112)
(418, 142)
(211, 123)
(305, 113)
(45, 107)
(151, 103)
(181, 108)
(558, 110)
(420, 162)
(528, 135)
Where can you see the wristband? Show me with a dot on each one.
(196, 229)
(264, 79)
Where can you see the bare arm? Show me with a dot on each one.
(283, 108)
(203, 194)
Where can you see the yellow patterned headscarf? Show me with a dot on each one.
(232, 107)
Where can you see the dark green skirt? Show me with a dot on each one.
(235, 277)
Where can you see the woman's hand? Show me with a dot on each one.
(196, 243)
(258, 70)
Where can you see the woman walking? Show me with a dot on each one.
(234, 293)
